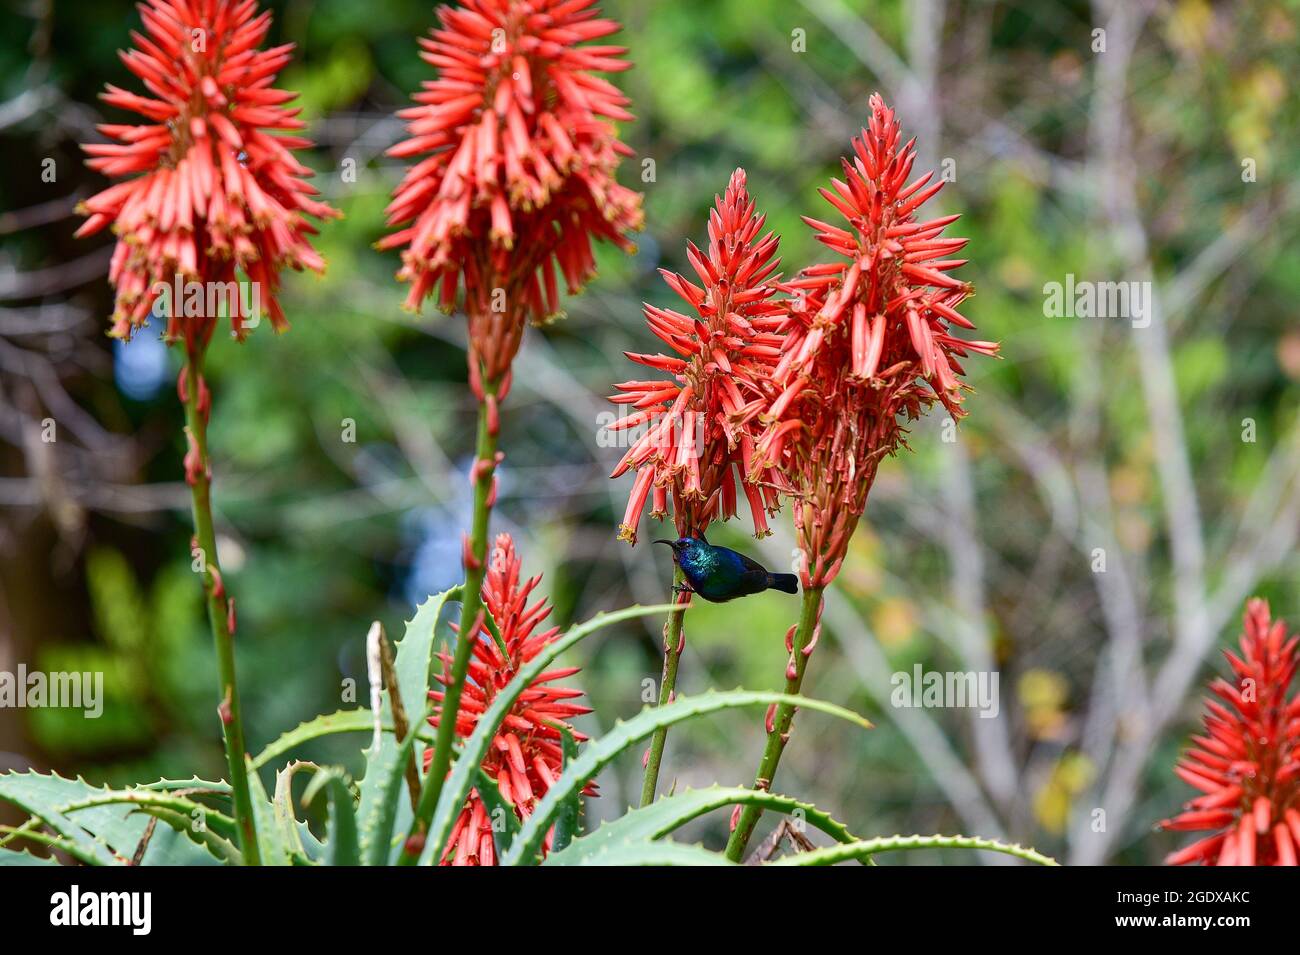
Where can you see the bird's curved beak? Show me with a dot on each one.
(672, 544)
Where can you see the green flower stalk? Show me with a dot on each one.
(867, 346)
(693, 449)
(516, 177)
(211, 197)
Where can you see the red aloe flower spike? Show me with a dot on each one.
(1247, 767)
(866, 345)
(525, 756)
(212, 191)
(517, 176)
(695, 446)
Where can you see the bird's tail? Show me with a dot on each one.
(786, 583)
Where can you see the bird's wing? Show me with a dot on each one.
(750, 564)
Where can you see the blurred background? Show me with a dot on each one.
(1154, 151)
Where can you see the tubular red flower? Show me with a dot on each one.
(517, 175)
(695, 446)
(1247, 765)
(213, 191)
(866, 346)
(525, 756)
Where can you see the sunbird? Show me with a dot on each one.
(719, 574)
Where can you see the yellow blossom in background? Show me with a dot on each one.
(1042, 695)
(1052, 804)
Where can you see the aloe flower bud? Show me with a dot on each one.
(724, 348)
(515, 177)
(525, 756)
(868, 344)
(1247, 763)
(212, 192)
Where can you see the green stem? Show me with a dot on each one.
(471, 604)
(672, 656)
(232, 725)
(809, 614)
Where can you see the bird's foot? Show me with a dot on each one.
(682, 589)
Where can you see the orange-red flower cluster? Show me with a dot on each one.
(868, 344)
(517, 168)
(525, 757)
(1247, 764)
(723, 355)
(212, 190)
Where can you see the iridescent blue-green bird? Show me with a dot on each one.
(719, 574)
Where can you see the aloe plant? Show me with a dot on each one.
(190, 822)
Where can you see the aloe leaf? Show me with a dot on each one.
(272, 845)
(869, 847)
(104, 831)
(327, 724)
(10, 857)
(45, 797)
(381, 812)
(505, 820)
(192, 785)
(31, 831)
(193, 811)
(304, 847)
(671, 812)
(382, 824)
(494, 631)
(566, 821)
(180, 825)
(343, 847)
(661, 852)
(596, 754)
